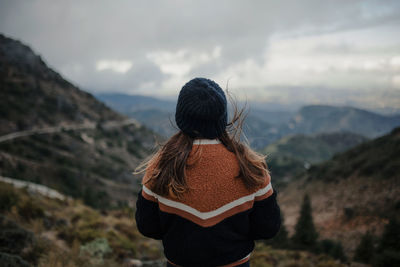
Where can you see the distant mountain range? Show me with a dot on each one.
(320, 118)
(262, 127)
(156, 114)
(89, 151)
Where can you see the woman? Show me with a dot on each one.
(206, 195)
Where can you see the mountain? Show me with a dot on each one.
(55, 134)
(315, 119)
(154, 113)
(125, 103)
(293, 154)
(158, 114)
(322, 118)
(33, 95)
(262, 126)
(356, 191)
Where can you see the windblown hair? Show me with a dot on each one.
(168, 177)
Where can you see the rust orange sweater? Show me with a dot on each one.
(216, 199)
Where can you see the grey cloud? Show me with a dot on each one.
(65, 32)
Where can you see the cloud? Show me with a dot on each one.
(119, 66)
(154, 47)
(333, 60)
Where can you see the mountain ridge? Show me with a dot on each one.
(55, 134)
(33, 95)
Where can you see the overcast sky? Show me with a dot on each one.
(330, 52)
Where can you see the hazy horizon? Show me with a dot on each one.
(289, 53)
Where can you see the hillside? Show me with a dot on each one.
(64, 137)
(354, 192)
(293, 154)
(40, 231)
(34, 96)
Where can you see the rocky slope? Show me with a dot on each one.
(90, 151)
(34, 95)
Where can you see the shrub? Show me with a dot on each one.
(388, 252)
(365, 250)
(331, 248)
(13, 238)
(8, 197)
(12, 260)
(387, 258)
(96, 249)
(122, 246)
(30, 210)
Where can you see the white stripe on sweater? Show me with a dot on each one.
(206, 142)
(209, 214)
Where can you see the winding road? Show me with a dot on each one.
(55, 129)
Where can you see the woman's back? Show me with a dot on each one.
(207, 199)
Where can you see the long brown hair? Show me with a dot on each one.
(168, 176)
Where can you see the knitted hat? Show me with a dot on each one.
(201, 109)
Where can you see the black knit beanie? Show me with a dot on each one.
(201, 109)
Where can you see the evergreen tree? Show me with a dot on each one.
(391, 236)
(389, 246)
(305, 236)
(365, 250)
(338, 252)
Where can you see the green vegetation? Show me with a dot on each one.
(266, 256)
(8, 198)
(388, 252)
(382, 252)
(331, 248)
(378, 159)
(293, 154)
(305, 233)
(68, 234)
(305, 237)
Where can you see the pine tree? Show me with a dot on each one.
(389, 246)
(305, 236)
(365, 250)
(391, 236)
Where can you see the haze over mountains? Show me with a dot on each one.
(263, 126)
